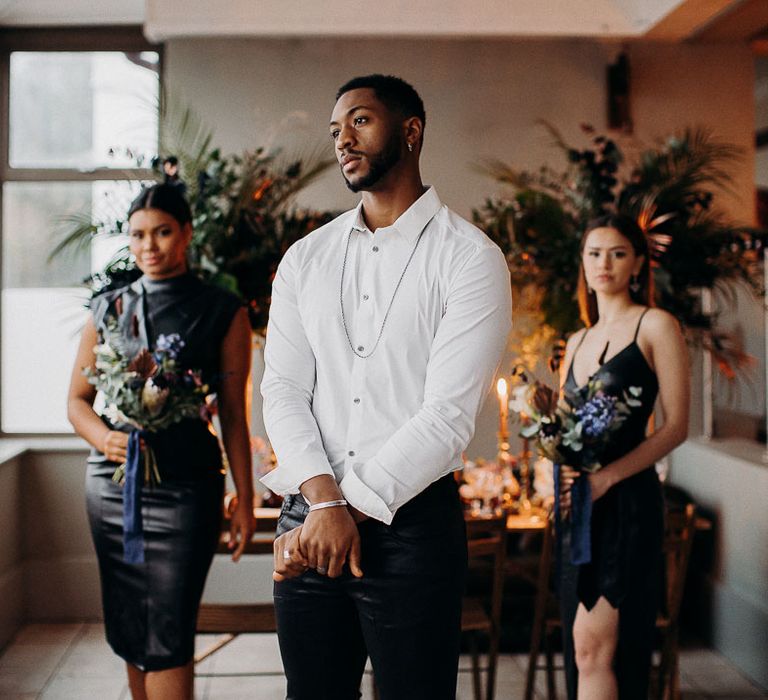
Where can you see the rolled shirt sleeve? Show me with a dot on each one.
(463, 360)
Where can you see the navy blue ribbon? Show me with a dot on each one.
(580, 516)
(133, 531)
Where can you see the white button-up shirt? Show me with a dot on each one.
(388, 425)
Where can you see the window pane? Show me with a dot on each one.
(36, 215)
(43, 311)
(40, 332)
(82, 109)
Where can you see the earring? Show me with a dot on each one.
(410, 147)
(634, 285)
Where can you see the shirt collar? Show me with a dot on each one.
(413, 220)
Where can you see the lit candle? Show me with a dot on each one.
(503, 393)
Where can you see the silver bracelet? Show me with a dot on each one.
(327, 504)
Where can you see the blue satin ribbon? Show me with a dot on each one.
(580, 516)
(133, 533)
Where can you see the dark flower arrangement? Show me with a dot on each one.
(669, 189)
(148, 391)
(573, 430)
(243, 212)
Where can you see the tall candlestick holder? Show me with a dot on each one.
(525, 474)
(504, 459)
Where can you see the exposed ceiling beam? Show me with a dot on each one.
(688, 18)
(747, 20)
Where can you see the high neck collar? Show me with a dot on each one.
(179, 282)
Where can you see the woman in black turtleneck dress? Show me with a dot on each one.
(150, 607)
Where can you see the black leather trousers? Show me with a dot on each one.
(405, 612)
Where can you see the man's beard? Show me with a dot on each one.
(379, 165)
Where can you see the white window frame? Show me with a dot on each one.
(127, 39)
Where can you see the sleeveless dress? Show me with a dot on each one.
(627, 530)
(150, 608)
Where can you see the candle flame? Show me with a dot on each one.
(501, 387)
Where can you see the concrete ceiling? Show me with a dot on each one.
(662, 20)
(25, 13)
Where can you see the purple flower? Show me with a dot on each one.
(597, 414)
(169, 345)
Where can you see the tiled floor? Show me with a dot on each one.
(73, 662)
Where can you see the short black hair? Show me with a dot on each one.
(396, 94)
(165, 197)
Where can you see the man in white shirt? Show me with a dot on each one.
(386, 328)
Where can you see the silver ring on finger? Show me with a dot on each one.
(322, 570)
(286, 554)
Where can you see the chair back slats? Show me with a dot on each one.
(487, 541)
(680, 527)
(485, 547)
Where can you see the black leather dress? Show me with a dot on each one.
(627, 532)
(150, 608)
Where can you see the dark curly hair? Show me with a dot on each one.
(397, 95)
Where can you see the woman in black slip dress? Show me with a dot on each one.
(610, 598)
(151, 595)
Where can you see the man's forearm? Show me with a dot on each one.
(320, 488)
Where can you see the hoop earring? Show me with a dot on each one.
(634, 285)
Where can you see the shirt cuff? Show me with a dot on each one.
(286, 477)
(362, 497)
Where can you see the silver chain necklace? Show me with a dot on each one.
(392, 301)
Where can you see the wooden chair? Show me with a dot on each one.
(486, 543)
(680, 526)
(545, 609)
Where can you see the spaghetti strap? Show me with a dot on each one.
(639, 321)
(581, 340)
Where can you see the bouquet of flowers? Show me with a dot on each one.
(148, 391)
(571, 430)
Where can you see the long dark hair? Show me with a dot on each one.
(630, 229)
(165, 197)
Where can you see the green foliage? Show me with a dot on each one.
(670, 189)
(243, 212)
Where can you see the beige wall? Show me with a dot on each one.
(730, 484)
(483, 99)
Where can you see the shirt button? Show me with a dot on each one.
(365, 297)
(375, 249)
(360, 348)
(357, 400)
(351, 453)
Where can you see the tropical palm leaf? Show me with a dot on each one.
(79, 231)
(669, 189)
(684, 165)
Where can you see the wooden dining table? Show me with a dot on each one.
(532, 521)
(231, 620)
